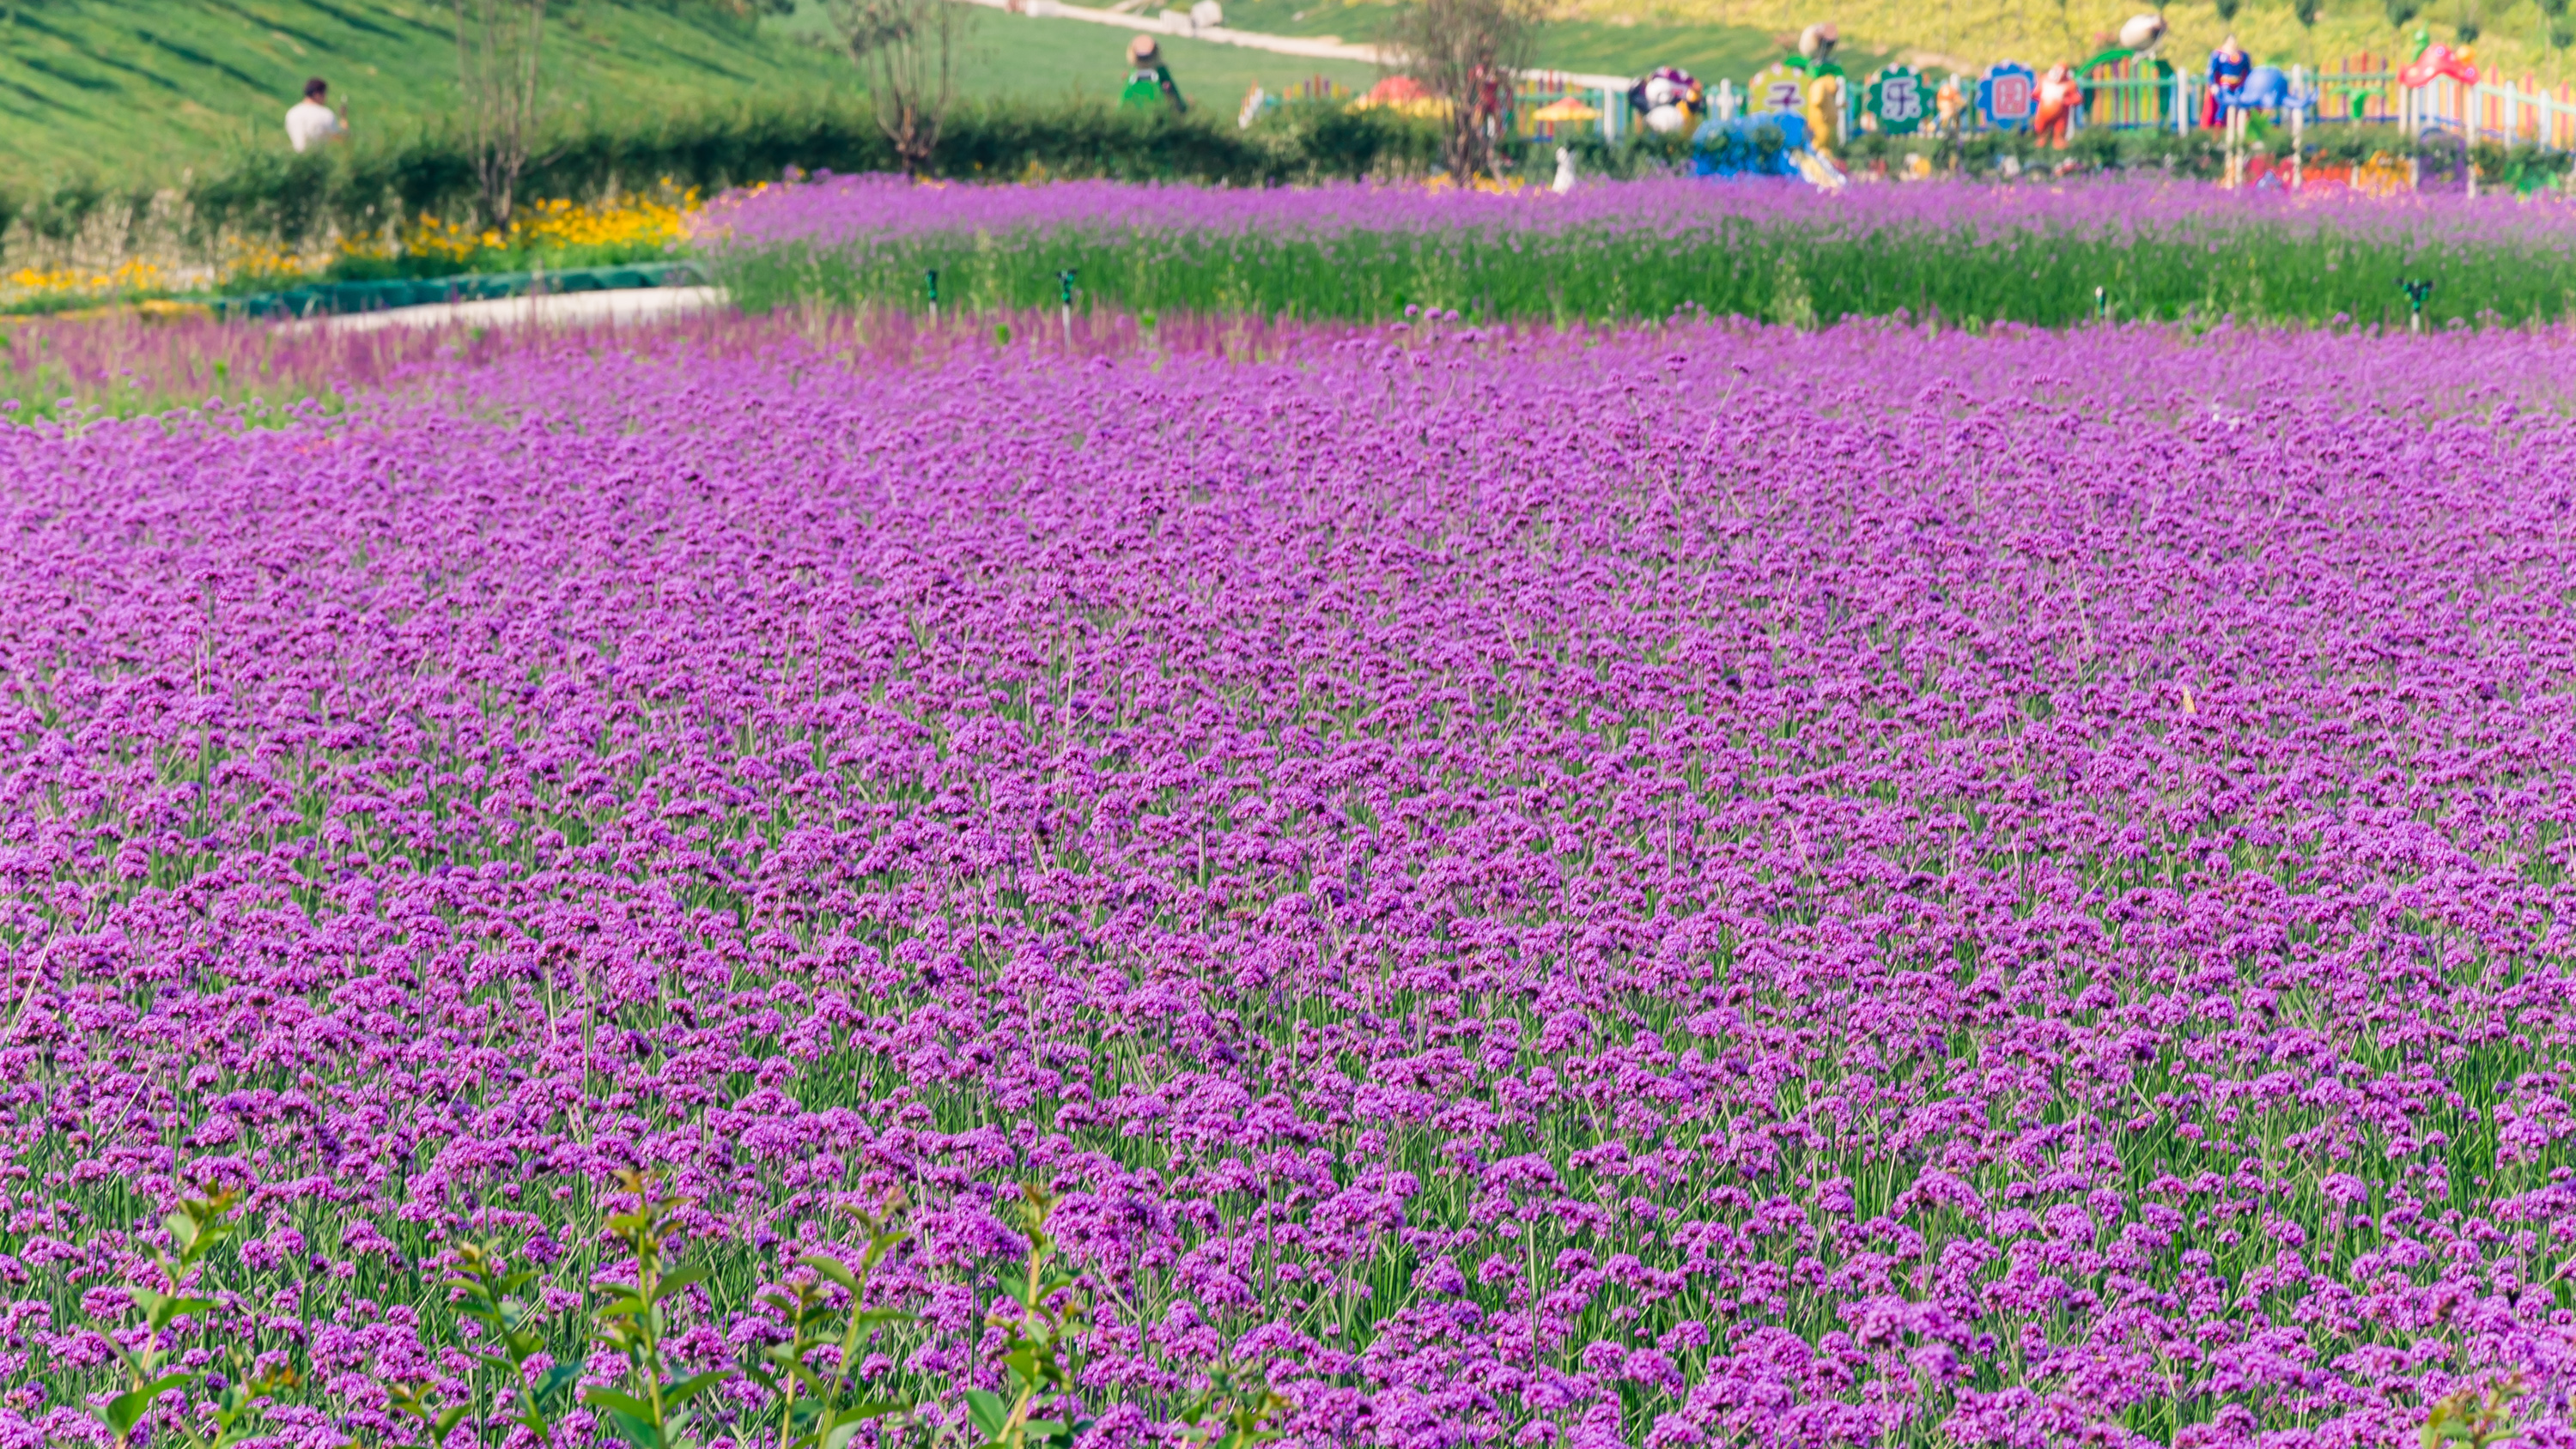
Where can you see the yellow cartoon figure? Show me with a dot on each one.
(1825, 116)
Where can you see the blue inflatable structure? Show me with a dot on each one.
(1764, 145)
(2266, 88)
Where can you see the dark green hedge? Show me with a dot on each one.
(2198, 153)
(279, 196)
(276, 196)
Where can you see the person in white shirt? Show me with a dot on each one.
(311, 121)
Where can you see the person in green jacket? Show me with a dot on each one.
(1149, 81)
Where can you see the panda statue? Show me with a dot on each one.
(1669, 98)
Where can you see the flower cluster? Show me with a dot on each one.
(1704, 886)
(1626, 250)
(837, 209)
(638, 224)
(125, 278)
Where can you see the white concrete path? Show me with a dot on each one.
(569, 309)
(1315, 47)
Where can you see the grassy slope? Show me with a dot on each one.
(145, 87)
(1040, 60)
(1079, 54)
(140, 89)
(1615, 42)
(1976, 32)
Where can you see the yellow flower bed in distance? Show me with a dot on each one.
(126, 277)
(550, 234)
(635, 225)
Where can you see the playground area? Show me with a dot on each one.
(2387, 123)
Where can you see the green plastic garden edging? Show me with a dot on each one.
(338, 297)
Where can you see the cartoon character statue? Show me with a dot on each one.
(2439, 60)
(1949, 103)
(2059, 96)
(1817, 43)
(1669, 98)
(1149, 81)
(1825, 115)
(2228, 67)
(1764, 144)
(2142, 34)
(2265, 88)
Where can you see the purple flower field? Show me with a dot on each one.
(1705, 886)
(1618, 253)
(844, 208)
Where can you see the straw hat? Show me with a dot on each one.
(1142, 52)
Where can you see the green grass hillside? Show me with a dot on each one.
(139, 90)
(2512, 38)
(1039, 59)
(1612, 42)
(144, 88)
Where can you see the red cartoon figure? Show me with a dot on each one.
(2059, 96)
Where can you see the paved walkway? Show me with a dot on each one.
(1315, 47)
(571, 309)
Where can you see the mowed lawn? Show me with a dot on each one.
(1022, 57)
(145, 88)
(138, 91)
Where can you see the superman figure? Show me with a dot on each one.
(2228, 67)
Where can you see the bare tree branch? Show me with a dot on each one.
(1467, 53)
(908, 51)
(499, 44)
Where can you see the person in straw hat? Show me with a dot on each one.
(1149, 81)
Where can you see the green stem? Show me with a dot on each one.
(649, 1325)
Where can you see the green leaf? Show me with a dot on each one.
(127, 1409)
(629, 1306)
(784, 1355)
(181, 1228)
(675, 1282)
(875, 1316)
(674, 1395)
(554, 1381)
(523, 1345)
(619, 1402)
(167, 1309)
(634, 1431)
(858, 1418)
(988, 1411)
(832, 1270)
(1018, 1290)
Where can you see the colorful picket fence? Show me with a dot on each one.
(2129, 93)
(2365, 88)
(2358, 88)
(2132, 93)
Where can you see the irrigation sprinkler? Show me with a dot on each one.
(2416, 290)
(1064, 295)
(931, 277)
